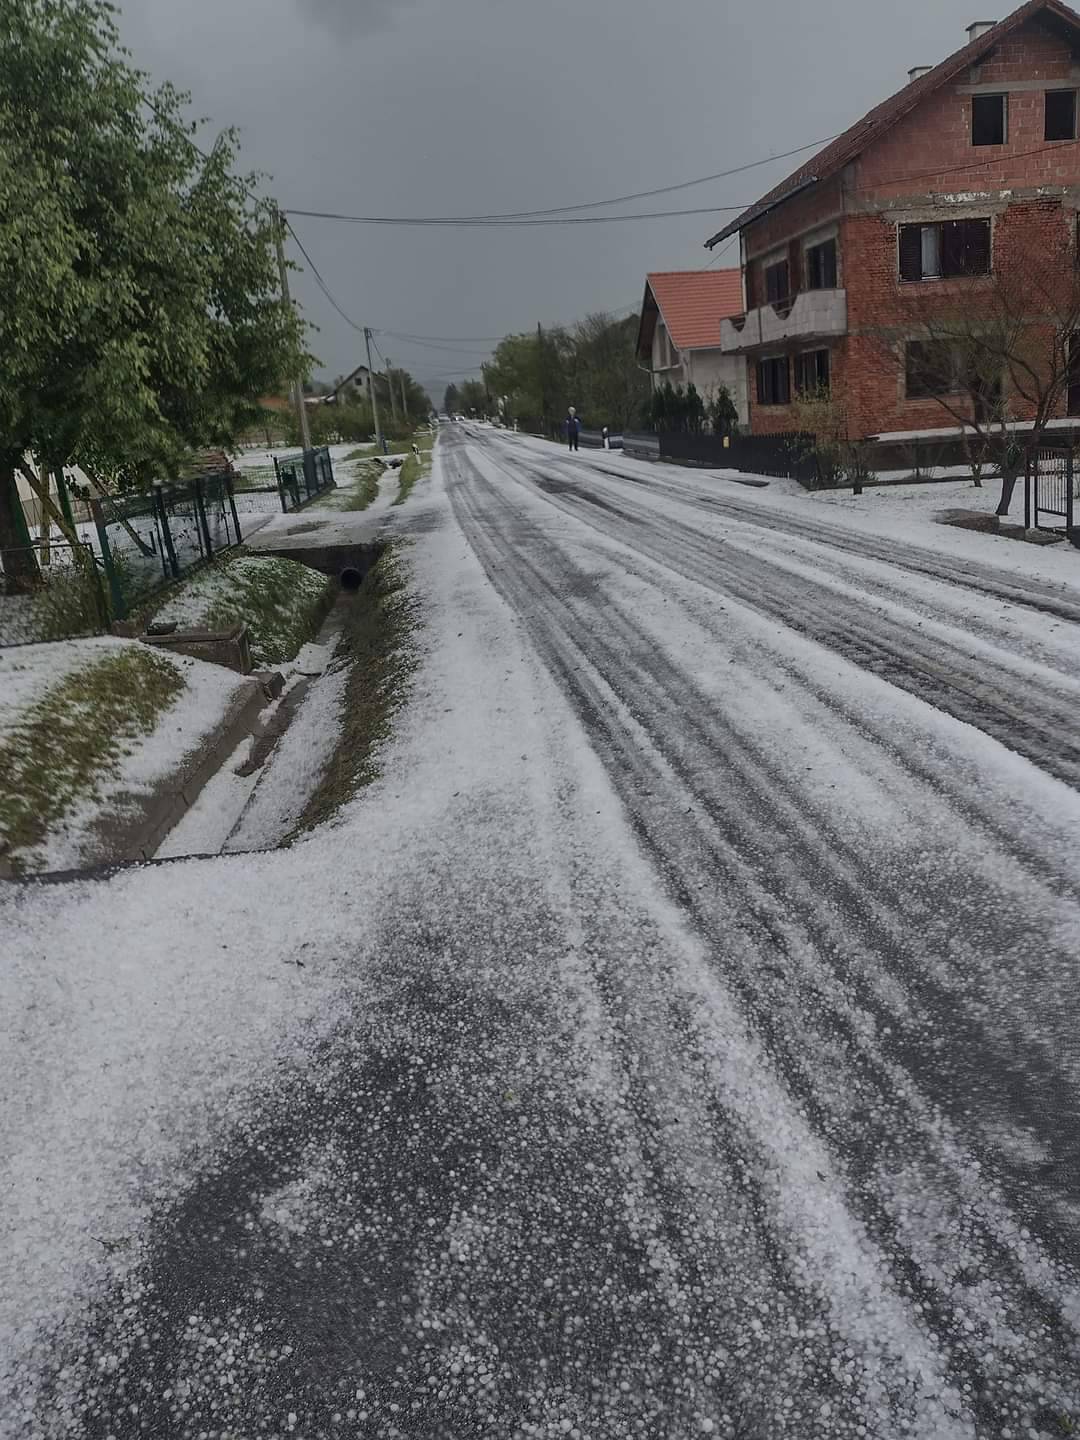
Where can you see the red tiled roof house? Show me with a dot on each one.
(679, 332)
(973, 166)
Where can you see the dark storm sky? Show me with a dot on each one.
(419, 107)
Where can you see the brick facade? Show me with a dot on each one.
(922, 170)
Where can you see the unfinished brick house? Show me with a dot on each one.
(973, 166)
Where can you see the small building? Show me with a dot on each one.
(355, 386)
(679, 332)
(969, 173)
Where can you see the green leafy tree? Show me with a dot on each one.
(610, 387)
(473, 397)
(139, 305)
(723, 413)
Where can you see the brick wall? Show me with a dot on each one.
(882, 308)
(926, 166)
(938, 133)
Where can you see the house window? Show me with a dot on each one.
(812, 373)
(821, 266)
(774, 381)
(928, 370)
(988, 119)
(777, 283)
(946, 250)
(1060, 115)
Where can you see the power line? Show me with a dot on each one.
(322, 283)
(615, 199)
(424, 222)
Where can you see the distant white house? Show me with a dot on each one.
(679, 332)
(353, 387)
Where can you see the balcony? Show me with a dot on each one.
(813, 315)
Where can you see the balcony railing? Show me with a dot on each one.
(811, 314)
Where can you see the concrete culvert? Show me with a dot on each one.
(351, 579)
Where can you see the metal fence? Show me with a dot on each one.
(787, 454)
(146, 541)
(302, 477)
(51, 592)
(1051, 488)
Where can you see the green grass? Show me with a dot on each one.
(282, 602)
(415, 469)
(69, 745)
(363, 452)
(355, 496)
(376, 646)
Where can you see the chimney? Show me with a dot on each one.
(979, 27)
(917, 70)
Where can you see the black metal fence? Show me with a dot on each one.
(789, 454)
(1052, 487)
(146, 541)
(301, 478)
(51, 591)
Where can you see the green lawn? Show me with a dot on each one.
(68, 746)
(282, 601)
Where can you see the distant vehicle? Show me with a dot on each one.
(459, 419)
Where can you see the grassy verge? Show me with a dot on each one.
(375, 644)
(69, 745)
(414, 469)
(357, 494)
(282, 601)
(362, 452)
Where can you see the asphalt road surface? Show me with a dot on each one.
(713, 1065)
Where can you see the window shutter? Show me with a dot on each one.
(828, 277)
(751, 287)
(953, 250)
(976, 247)
(910, 252)
(783, 381)
(762, 396)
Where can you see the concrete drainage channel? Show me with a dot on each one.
(136, 842)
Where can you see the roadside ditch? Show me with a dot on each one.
(293, 744)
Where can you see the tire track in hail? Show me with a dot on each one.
(495, 563)
(907, 657)
(1026, 1082)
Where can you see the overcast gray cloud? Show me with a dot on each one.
(415, 106)
(347, 18)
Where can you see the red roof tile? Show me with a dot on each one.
(693, 302)
(852, 142)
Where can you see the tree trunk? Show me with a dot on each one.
(20, 567)
(50, 515)
(1008, 485)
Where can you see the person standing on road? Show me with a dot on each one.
(573, 428)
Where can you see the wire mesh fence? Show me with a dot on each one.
(50, 591)
(131, 547)
(149, 540)
(303, 476)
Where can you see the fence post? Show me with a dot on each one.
(200, 514)
(280, 486)
(166, 533)
(64, 495)
(228, 483)
(1069, 492)
(1027, 491)
(116, 593)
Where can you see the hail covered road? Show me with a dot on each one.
(690, 1042)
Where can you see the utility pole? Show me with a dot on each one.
(297, 384)
(404, 402)
(374, 396)
(390, 387)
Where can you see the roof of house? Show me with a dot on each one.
(693, 302)
(853, 141)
